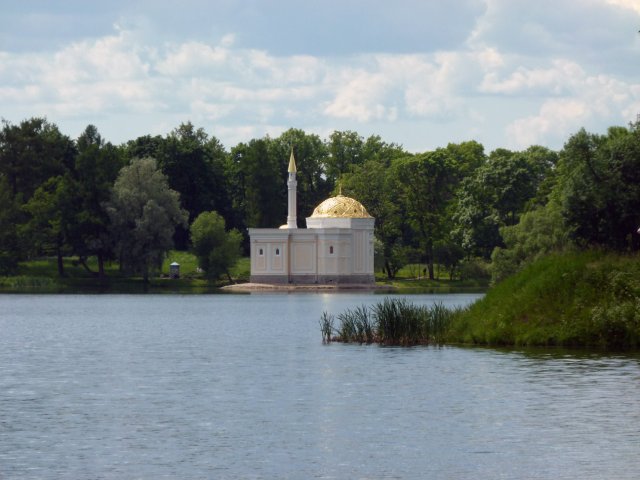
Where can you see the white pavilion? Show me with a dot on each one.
(335, 248)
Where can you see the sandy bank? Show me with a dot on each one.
(266, 287)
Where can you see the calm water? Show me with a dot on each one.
(240, 386)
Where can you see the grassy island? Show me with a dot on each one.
(575, 299)
(587, 299)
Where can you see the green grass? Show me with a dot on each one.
(578, 299)
(188, 264)
(41, 275)
(575, 299)
(411, 279)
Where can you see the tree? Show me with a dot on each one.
(9, 218)
(465, 157)
(51, 212)
(375, 149)
(31, 153)
(495, 196)
(144, 214)
(143, 147)
(538, 233)
(599, 186)
(216, 249)
(96, 168)
(345, 151)
(258, 185)
(374, 186)
(426, 183)
(194, 165)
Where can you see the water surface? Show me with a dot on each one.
(240, 386)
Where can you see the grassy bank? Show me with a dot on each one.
(587, 299)
(41, 276)
(577, 299)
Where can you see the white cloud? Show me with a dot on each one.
(555, 118)
(596, 97)
(629, 4)
(359, 96)
(560, 77)
(192, 57)
(499, 87)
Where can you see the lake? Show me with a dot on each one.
(241, 387)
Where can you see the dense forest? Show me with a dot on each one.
(457, 208)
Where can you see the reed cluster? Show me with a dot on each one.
(390, 322)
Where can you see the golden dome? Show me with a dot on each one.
(340, 207)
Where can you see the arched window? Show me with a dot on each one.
(331, 250)
(277, 252)
(261, 252)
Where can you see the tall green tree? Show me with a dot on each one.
(345, 151)
(375, 149)
(427, 184)
(600, 187)
(216, 249)
(374, 186)
(538, 233)
(31, 153)
(496, 195)
(258, 184)
(10, 216)
(194, 165)
(96, 167)
(146, 146)
(144, 214)
(465, 157)
(51, 211)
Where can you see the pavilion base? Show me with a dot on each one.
(314, 279)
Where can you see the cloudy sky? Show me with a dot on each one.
(421, 73)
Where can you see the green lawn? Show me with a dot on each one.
(413, 277)
(42, 275)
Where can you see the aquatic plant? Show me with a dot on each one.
(326, 327)
(357, 325)
(390, 322)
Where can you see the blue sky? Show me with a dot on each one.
(507, 73)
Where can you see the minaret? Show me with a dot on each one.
(292, 185)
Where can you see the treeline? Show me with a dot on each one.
(455, 207)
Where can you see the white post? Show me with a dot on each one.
(292, 185)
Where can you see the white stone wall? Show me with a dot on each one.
(333, 250)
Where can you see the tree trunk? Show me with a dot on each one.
(430, 260)
(389, 270)
(60, 262)
(101, 266)
(83, 262)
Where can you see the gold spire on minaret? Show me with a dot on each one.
(292, 163)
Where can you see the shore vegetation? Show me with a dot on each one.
(575, 299)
